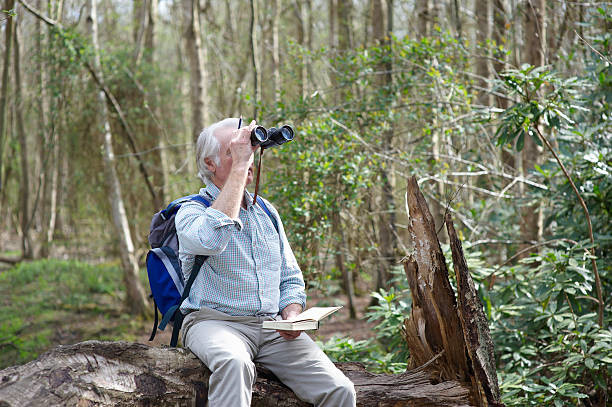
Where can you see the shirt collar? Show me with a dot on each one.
(212, 191)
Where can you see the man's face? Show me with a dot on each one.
(221, 172)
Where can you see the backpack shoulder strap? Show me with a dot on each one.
(178, 315)
(267, 211)
(197, 265)
(200, 199)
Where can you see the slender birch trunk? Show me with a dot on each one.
(135, 298)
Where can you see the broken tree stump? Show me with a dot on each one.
(476, 333)
(97, 373)
(456, 335)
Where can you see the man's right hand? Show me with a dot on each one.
(241, 149)
(235, 169)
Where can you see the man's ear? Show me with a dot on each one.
(210, 164)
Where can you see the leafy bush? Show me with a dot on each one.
(549, 346)
(387, 352)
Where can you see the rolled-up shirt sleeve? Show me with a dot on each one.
(203, 231)
(292, 288)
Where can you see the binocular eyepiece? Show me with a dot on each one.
(271, 137)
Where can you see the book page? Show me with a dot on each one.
(314, 313)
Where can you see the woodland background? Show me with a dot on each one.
(493, 105)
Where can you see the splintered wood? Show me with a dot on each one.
(451, 334)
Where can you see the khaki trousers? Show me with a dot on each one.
(230, 345)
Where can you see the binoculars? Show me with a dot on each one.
(271, 137)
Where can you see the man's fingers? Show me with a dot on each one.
(289, 334)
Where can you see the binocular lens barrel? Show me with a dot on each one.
(272, 137)
(258, 135)
(287, 132)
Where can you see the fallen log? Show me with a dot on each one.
(95, 373)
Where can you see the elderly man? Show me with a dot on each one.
(250, 276)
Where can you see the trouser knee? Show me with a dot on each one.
(344, 394)
(239, 367)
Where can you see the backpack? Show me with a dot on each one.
(168, 287)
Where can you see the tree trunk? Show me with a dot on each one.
(24, 186)
(332, 14)
(50, 152)
(346, 273)
(382, 12)
(183, 45)
(481, 10)
(500, 38)
(131, 374)
(345, 20)
(303, 17)
(8, 41)
(157, 140)
(254, 24)
(135, 298)
(139, 27)
(195, 52)
(452, 338)
(531, 222)
(422, 17)
(276, 16)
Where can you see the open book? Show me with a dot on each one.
(308, 319)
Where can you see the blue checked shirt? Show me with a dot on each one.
(251, 270)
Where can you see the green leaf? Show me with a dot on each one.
(520, 143)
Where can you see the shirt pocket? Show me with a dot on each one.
(269, 247)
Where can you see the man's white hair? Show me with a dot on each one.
(207, 146)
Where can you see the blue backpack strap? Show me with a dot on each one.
(174, 205)
(175, 312)
(267, 211)
(199, 198)
(178, 315)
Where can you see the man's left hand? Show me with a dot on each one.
(290, 311)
